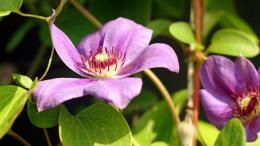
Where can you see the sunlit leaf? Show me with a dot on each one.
(12, 101)
(7, 6)
(208, 133)
(233, 134)
(183, 32)
(99, 124)
(233, 42)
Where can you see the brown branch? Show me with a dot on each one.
(198, 19)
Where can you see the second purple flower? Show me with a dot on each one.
(231, 89)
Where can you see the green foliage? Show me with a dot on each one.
(22, 80)
(233, 42)
(232, 134)
(137, 10)
(12, 101)
(8, 6)
(155, 125)
(182, 31)
(45, 119)
(207, 133)
(159, 27)
(99, 124)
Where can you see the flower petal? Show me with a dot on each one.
(246, 74)
(218, 109)
(252, 129)
(90, 43)
(120, 34)
(218, 76)
(50, 93)
(118, 92)
(65, 49)
(155, 55)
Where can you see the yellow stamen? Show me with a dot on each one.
(101, 57)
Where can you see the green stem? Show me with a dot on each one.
(18, 138)
(32, 16)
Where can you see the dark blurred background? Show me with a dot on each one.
(21, 40)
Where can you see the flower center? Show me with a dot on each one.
(248, 107)
(103, 63)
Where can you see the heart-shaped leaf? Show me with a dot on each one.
(233, 42)
(99, 124)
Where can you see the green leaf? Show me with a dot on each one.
(233, 134)
(182, 31)
(18, 36)
(137, 10)
(45, 119)
(12, 101)
(8, 6)
(208, 133)
(99, 124)
(180, 99)
(233, 42)
(22, 80)
(159, 27)
(159, 144)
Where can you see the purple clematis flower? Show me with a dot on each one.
(231, 89)
(104, 59)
